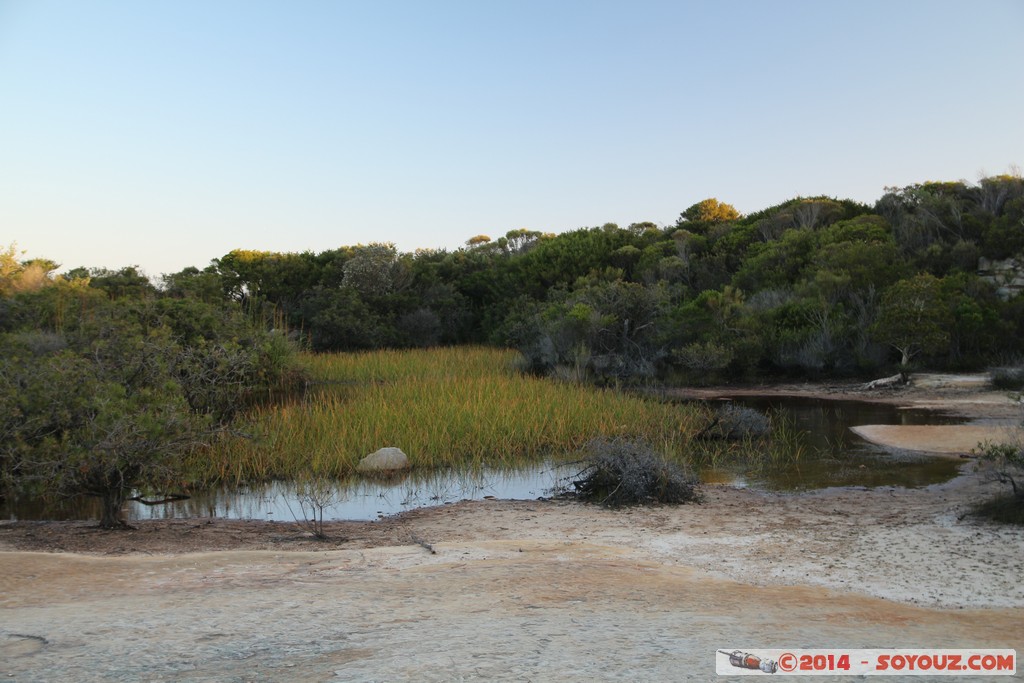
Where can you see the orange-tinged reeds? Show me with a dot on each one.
(451, 407)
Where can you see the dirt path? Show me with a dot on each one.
(511, 590)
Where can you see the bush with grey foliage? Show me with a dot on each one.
(621, 472)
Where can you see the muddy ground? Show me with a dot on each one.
(516, 590)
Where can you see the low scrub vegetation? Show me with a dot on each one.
(812, 286)
(1003, 462)
(1005, 508)
(622, 472)
(1011, 377)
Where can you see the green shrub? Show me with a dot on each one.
(1004, 463)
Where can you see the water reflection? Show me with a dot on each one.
(365, 499)
(361, 499)
(835, 457)
(838, 457)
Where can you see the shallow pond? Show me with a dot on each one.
(834, 457)
(361, 499)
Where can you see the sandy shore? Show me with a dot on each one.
(517, 590)
(511, 590)
(950, 440)
(967, 396)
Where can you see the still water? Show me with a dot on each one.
(834, 456)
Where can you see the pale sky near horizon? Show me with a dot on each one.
(165, 133)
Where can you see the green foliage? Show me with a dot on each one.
(340, 319)
(930, 219)
(812, 271)
(82, 424)
(602, 330)
(191, 283)
(809, 213)
(1004, 237)
(123, 390)
(863, 250)
(977, 327)
(776, 263)
(124, 283)
(914, 318)
(257, 277)
(375, 270)
(704, 360)
(560, 262)
(1004, 463)
(23, 276)
(709, 211)
(519, 241)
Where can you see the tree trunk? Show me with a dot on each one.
(111, 503)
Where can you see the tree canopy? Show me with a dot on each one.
(709, 211)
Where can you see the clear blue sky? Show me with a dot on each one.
(165, 133)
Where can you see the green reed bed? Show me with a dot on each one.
(458, 407)
(780, 444)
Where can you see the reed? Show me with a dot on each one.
(781, 445)
(458, 407)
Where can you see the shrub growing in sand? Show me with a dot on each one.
(1003, 462)
(622, 472)
(1008, 377)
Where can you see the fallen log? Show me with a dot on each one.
(884, 383)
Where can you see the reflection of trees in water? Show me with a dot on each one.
(833, 456)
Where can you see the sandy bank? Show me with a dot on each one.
(516, 590)
(954, 440)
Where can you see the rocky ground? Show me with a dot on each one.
(516, 590)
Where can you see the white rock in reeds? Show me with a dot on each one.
(388, 459)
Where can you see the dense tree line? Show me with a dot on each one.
(812, 286)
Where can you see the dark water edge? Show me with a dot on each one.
(833, 456)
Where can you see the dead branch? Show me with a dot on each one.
(423, 544)
(170, 498)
